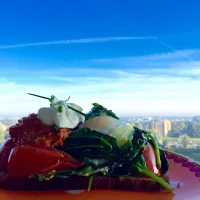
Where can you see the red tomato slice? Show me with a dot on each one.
(5, 149)
(26, 160)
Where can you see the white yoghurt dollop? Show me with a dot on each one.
(60, 115)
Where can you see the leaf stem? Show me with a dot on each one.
(146, 172)
(39, 96)
(92, 137)
(77, 111)
(66, 100)
(90, 183)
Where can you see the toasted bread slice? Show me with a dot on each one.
(81, 183)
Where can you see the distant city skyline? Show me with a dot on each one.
(135, 61)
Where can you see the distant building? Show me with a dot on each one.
(2, 127)
(2, 132)
(163, 126)
(167, 127)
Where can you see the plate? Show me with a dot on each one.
(183, 172)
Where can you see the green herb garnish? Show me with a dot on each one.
(51, 99)
(60, 109)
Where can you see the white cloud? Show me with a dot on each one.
(172, 88)
(77, 41)
(126, 94)
(168, 56)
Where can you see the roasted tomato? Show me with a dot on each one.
(31, 130)
(150, 159)
(26, 160)
(5, 149)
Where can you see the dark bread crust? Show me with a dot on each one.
(79, 183)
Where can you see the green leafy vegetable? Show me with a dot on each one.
(82, 171)
(130, 150)
(138, 130)
(99, 110)
(92, 146)
(140, 138)
(63, 174)
(86, 144)
(147, 137)
(138, 166)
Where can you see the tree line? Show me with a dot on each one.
(191, 128)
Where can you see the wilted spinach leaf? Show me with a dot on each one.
(86, 144)
(99, 110)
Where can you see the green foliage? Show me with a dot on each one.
(191, 128)
(165, 143)
(6, 135)
(186, 140)
(2, 136)
(177, 129)
(189, 152)
(196, 119)
(2, 130)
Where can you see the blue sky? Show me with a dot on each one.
(136, 58)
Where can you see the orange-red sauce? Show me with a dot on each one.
(31, 130)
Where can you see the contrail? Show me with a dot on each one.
(78, 41)
(168, 46)
(175, 50)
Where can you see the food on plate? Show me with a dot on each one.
(61, 147)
